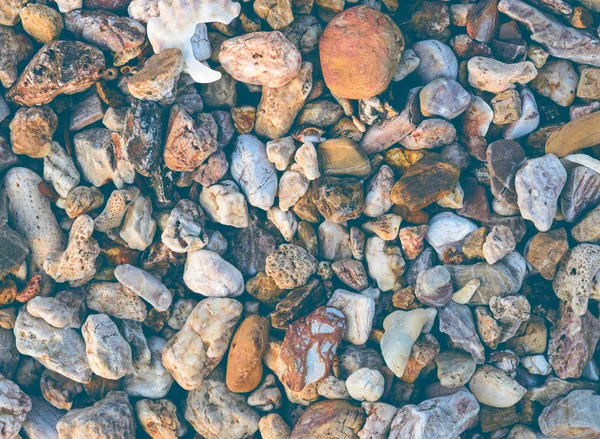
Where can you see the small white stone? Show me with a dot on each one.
(558, 81)
(183, 231)
(223, 203)
(379, 419)
(377, 196)
(385, 264)
(454, 200)
(446, 229)
(491, 75)
(209, 274)
(200, 43)
(65, 6)
(292, 186)
(529, 120)
(144, 285)
(306, 157)
(334, 241)
(150, 380)
(284, 221)
(366, 385)
(138, 226)
(464, 295)
(491, 386)
(537, 365)
(60, 170)
(281, 151)
(359, 311)
(333, 388)
(386, 226)
(477, 118)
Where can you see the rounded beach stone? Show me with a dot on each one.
(360, 50)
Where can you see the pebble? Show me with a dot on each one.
(498, 243)
(343, 67)
(16, 49)
(144, 285)
(149, 379)
(437, 60)
(111, 416)
(339, 199)
(546, 250)
(309, 346)
(529, 120)
(558, 81)
(31, 131)
(116, 207)
(504, 159)
(138, 225)
(157, 80)
(386, 226)
(15, 407)
(159, 418)
(443, 417)
(225, 204)
(366, 385)
(477, 118)
(60, 170)
(359, 311)
(507, 309)
(65, 355)
(209, 274)
(293, 186)
(192, 353)
(402, 328)
(444, 97)
(281, 151)
(412, 240)
(306, 158)
(252, 171)
(434, 286)
(334, 241)
(431, 133)
(261, 58)
(183, 231)
(537, 365)
(385, 263)
(507, 107)
(43, 23)
(273, 120)
(244, 365)
(494, 76)
(290, 266)
(454, 368)
(108, 354)
(482, 21)
(446, 229)
(457, 321)
(272, 426)
(116, 300)
(379, 419)
(494, 388)
(573, 415)
(544, 178)
(342, 156)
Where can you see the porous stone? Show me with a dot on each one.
(116, 300)
(192, 353)
(290, 266)
(31, 131)
(115, 209)
(159, 418)
(494, 76)
(15, 407)
(343, 68)
(112, 416)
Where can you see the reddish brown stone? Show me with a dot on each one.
(422, 354)
(412, 240)
(32, 289)
(475, 204)
(483, 21)
(425, 182)
(309, 347)
(330, 419)
(546, 250)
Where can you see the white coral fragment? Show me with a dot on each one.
(175, 27)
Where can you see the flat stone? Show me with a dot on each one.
(572, 416)
(425, 182)
(581, 192)
(504, 159)
(157, 80)
(546, 249)
(457, 321)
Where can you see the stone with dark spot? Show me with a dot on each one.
(340, 199)
(143, 136)
(299, 302)
(330, 419)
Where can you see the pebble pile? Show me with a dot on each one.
(299, 219)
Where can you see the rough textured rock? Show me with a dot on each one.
(16, 48)
(31, 131)
(142, 136)
(359, 311)
(61, 67)
(111, 417)
(457, 321)
(333, 418)
(290, 266)
(581, 192)
(116, 300)
(192, 353)
(339, 199)
(15, 405)
(572, 342)
(217, 413)
(159, 418)
(546, 250)
(572, 416)
(310, 345)
(444, 417)
(157, 80)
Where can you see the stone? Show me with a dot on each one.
(444, 97)
(366, 385)
(65, 355)
(31, 131)
(261, 58)
(409, 61)
(492, 387)
(504, 159)
(274, 120)
(142, 136)
(402, 328)
(581, 192)
(41, 22)
(9, 13)
(571, 416)
(110, 417)
(59, 390)
(267, 396)
(15, 250)
(116, 208)
(116, 300)
(507, 309)
(223, 203)
(537, 365)
(412, 240)
(299, 302)
(546, 249)
(144, 285)
(60, 67)
(359, 311)
(494, 76)
(573, 136)
(16, 47)
(222, 93)
(138, 226)
(425, 182)
(385, 264)
(150, 379)
(431, 133)
(454, 368)
(159, 418)
(339, 199)
(507, 107)
(457, 321)
(272, 426)
(209, 274)
(55, 312)
(447, 231)
(498, 243)
(558, 81)
(60, 170)
(320, 114)
(572, 342)
(290, 266)
(192, 353)
(306, 158)
(15, 407)
(434, 286)
(529, 120)
(437, 60)
(442, 417)
(588, 83)
(343, 67)
(379, 419)
(333, 388)
(243, 118)
(377, 196)
(576, 275)
(183, 232)
(284, 221)
(157, 80)
(545, 30)
(333, 418)
(386, 226)
(278, 14)
(244, 363)
(342, 156)
(530, 337)
(334, 241)
(281, 151)
(482, 21)
(31, 216)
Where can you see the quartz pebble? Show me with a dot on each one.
(444, 97)
(359, 311)
(209, 274)
(366, 385)
(144, 285)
